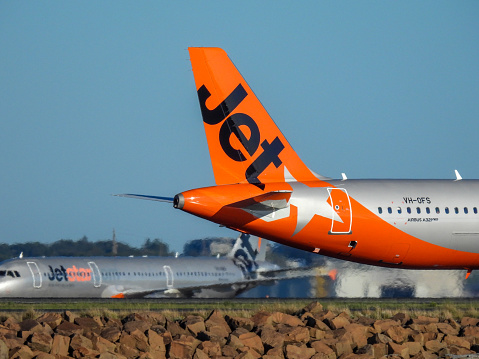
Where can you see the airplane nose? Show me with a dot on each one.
(179, 201)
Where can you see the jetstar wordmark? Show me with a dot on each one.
(232, 125)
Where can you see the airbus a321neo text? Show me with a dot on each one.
(263, 188)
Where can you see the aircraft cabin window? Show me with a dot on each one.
(438, 210)
(390, 210)
(399, 210)
(456, 210)
(418, 210)
(409, 210)
(465, 210)
(475, 210)
(428, 210)
(380, 210)
(446, 210)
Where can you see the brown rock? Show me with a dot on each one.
(399, 349)
(359, 334)
(380, 338)
(200, 354)
(380, 350)
(294, 352)
(366, 321)
(52, 319)
(209, 348)
(337, 322)
(217, 321)
(102, 345)
(417, 337)
(425, 355)
(447, 329)
(313, 307)
(175, 329)
(156, 341)
(470, 331)
(294, 334)
(12, 323)
(421, 319)
(41, 342)
(343, 346)
(316, 333)
(141, 341)
(3, 350)
(126, 351)
(23, 352)
(60, 345)
(414, 347)
(275, 353)
(68, 329)
(238, 322)
(42, 355)
(229, 351)
(262, 319)
(252, 341)
(195, 325)
(112, 355)
(465, 321)
(457, 350)
(282, 318)
(8, 333)
(397, 334)
(384, 324)
(184, 347)
(69, 316)
(402, 318)
(133, 325)
(83, 352)
(88, 325)
(271, 339)
(457, 341)
(434, 346)
(248, 354)
(112, 334)
(320, 347)
(80, 341)
(30, 325)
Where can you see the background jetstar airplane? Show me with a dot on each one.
(264, 188)
(120, 277)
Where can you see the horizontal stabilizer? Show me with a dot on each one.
(142, 196)
(271, 200)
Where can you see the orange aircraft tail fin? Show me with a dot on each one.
(244, 142)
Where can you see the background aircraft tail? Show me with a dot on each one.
(244, 142)
(247, 251)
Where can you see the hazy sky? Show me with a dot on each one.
(98, 98)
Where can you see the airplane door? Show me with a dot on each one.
(36, 275)
(95, 274)
(342, 213)
(169, 276)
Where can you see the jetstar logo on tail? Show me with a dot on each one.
(231, 126)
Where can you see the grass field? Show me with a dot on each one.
(177, 308)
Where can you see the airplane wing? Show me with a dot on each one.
(262, 277)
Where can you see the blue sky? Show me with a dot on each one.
(98, 98)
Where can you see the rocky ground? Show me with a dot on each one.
(312, 332)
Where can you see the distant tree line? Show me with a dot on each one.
(210, 246)
(83, 248)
